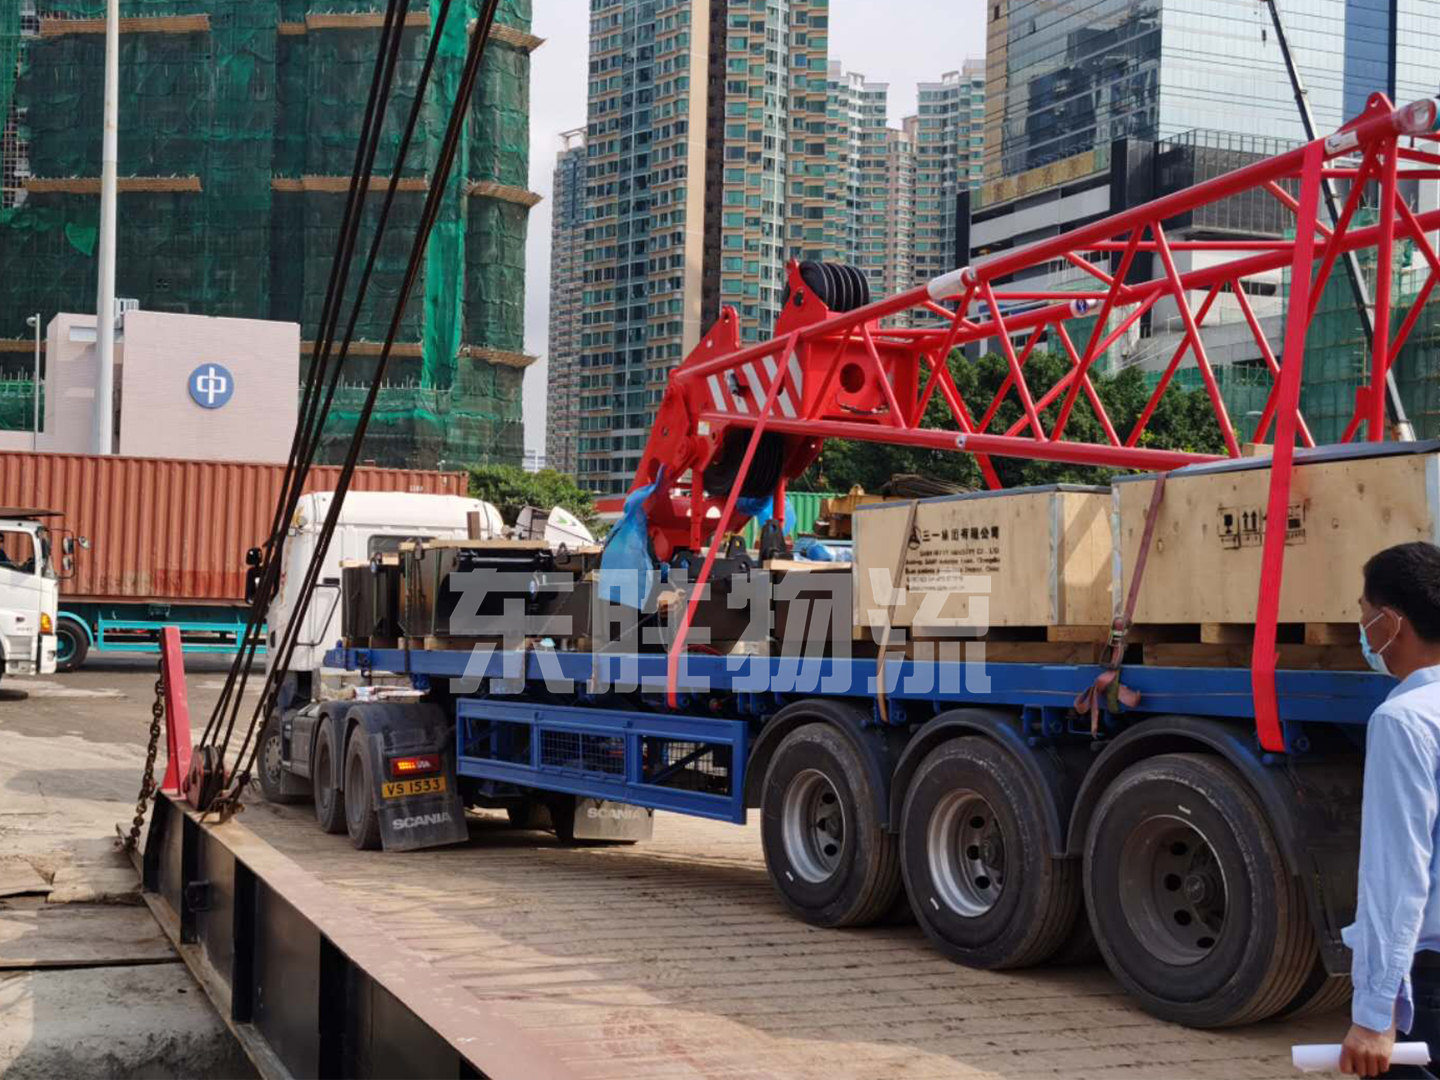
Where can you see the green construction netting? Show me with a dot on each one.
(476, 421)
(239, 107)
(495, 269)
(445, 258)
(17, 403)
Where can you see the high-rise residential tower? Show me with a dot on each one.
(948, 146)
(695, 107)
(566, 289)
(859, 142)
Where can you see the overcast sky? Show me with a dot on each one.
(901, 42)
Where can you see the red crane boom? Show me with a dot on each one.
(745, 421)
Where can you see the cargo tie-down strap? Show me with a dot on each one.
(881, 704)
(1107, 683)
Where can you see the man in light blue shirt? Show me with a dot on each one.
(1395, 938)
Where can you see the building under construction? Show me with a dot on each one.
(238, 123)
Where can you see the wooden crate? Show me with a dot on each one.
(1045, 553)
(1204, 564)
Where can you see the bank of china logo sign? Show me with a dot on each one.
(211, 385)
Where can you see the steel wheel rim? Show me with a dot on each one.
(1173, 890)
(271, 761)
(813, 826)
(64, 648)
(966, 853)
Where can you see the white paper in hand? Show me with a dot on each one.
(1325, 1057)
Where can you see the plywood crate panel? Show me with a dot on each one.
(1204, 565)
(1038, 557)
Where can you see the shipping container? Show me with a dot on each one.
(161, 529)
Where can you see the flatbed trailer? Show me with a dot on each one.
(515, 957)
(1171, 838)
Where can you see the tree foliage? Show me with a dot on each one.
(511, 489)
(1184, 420)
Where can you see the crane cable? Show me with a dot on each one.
(434, 197)
(299, 461)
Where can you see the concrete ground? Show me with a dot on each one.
(669, 959)
(88, 984)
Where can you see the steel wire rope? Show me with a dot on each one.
(311, 439)
(439, 181)
(362, 289)
(298, 464)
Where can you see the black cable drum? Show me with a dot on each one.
(839, 287)
(764, 474)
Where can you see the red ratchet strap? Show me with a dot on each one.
(1107, 684)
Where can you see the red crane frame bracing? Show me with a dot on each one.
(843, 375)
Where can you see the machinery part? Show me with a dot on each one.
(765, 468)
(72, 645)
(206, 777)
(1321, 992)
(275, 782)
(772, 543)
(826, 848)
(362, 821)
(838, 286)
(325, 780)
(983, 883)
(1194, 909)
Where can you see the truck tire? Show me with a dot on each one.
(72, 645)
(982, 882)
(1321, 992)
(324, 773)
(362, 821)
(269, 765)
(826, 851)
(1193, 907)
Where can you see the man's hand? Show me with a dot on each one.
(1366, 1052)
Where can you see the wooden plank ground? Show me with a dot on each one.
(674, 959)
(80, 935)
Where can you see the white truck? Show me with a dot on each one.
(29, 591)
(371, 523)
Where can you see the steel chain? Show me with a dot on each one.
(147, 781)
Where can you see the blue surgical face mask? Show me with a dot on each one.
(1372, 656)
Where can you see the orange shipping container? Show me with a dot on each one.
(170, 530)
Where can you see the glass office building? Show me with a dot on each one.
(1068, 77)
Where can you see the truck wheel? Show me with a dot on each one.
(72, 645)
(828, 855)
(1193, 907)
(270, 766)
(361, 820)
(1321, 992)
(984, 887)
(324, 772)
